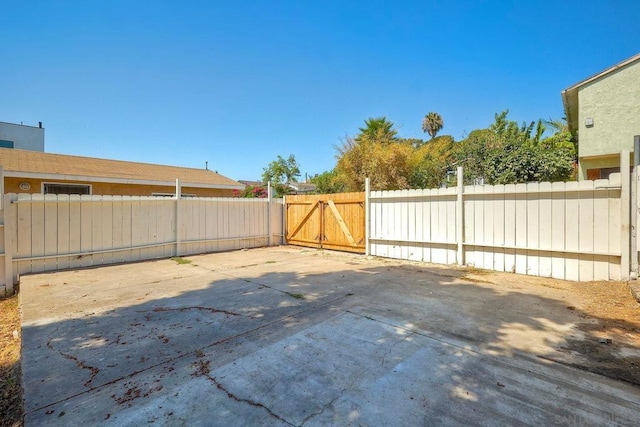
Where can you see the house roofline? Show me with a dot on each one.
(570, 94)
(619, 65)
(54, 176)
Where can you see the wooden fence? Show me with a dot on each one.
(576, 230)
(329, 221)
(52, 232)
(573, 230)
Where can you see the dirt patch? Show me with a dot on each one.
(11, 406)
(612, 330)
(610, 324)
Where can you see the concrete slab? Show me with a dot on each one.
(289, 336)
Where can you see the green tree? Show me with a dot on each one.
(379, 129)
(430, 162)
(432, 124)
(508, 152)
(375, 153)
(281, 172)
(386, 165)
(327, 182)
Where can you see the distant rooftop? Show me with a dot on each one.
(34, 164)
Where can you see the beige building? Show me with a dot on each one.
(604, 110)
(45, 173)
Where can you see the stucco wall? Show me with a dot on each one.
(598, 163)
(613, 102)
(12, 185)
(23, 137)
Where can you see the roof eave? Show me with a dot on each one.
(111, 180)
(601, 74)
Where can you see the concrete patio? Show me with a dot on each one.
(288, 336)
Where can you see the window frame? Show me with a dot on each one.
(66, 184)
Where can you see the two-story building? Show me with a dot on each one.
(604, 111)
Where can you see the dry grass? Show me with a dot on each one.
(11, 406)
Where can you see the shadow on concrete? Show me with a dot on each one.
(367, 342)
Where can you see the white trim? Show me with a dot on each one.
(53, 176)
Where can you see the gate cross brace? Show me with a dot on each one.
(303, 220)
(341, 222)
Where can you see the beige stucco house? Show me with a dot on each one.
(28, 171)
(604, 110)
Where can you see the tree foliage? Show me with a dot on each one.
(281, 172)
(251, 192)
(385, 164)
(432, 124)
(379, 129)
(430, 162)
(505, 152)
(327, 182)
(508, 153)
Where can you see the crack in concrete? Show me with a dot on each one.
(384, 356)
(262, 285)
(210, 309)
(80, 363)
(324, 408)
(248, 401)
(330, 403)
(194, 352)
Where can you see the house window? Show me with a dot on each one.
(172, 195)
(56, 188)
(6, 144)
(603, 173)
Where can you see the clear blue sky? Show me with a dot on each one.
(236, 83)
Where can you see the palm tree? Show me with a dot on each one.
(378, 129)
(432, 124)
(558, 125)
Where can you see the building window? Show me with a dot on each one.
(6, 144)
(55, 188)
(602, 173)
(172, 195)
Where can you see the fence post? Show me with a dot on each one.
(5, 208)
(269, 207)
(178, 216)
(8, 242)
(367, 217)
(460, 216)
(284, 219)
(625, 220)
(634, 207)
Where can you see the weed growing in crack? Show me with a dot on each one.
(181, 260)
(202, 368)
(296, 296)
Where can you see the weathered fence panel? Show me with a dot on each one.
(56, 232)
(563, 230)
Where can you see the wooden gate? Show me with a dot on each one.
(329, 221)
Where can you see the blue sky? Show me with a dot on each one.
(237, 83)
